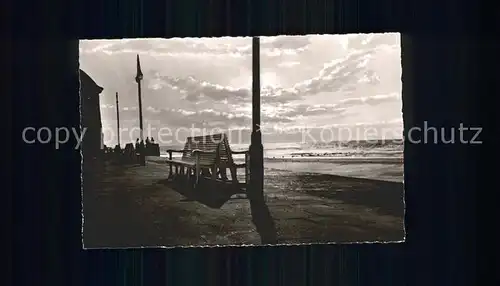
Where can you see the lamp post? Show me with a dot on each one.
(261, 216)
(138, 79)
(256, 188)
(118, 120)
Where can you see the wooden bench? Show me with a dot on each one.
(208, 156)
(198, 155)
(226, 161)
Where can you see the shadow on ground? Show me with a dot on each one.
(134, 206)
(216, 194)
(385, 196)
(209, 193)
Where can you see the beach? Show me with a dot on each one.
(378, 168)
(385, 170)
(132, 206)
(336, 178)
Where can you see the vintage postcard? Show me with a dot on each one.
(193, 142)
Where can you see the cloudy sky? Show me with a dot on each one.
(313, 82)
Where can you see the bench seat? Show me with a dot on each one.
(191, 163)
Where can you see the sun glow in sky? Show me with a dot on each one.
(269, 80)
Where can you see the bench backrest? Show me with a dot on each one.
(205, 143)
(216, 142)
(225, 154)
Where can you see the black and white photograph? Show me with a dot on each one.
(241, 141)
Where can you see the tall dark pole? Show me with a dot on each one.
(256, 148)
(261, 216)
(118, 119)
(138, 79)
(140, 111)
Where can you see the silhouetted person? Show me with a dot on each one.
(140, 147)
(141, 152)
(137, 148)
(137, 144)
(129, 150)
(147, 146)
(154, 148)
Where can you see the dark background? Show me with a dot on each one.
(441, 54)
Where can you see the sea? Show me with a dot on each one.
(375, 159)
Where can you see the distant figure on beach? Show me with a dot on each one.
(142, 148)
(137, 147)
(129, 149)
(152, 140)
(147, 141)
(137, 144)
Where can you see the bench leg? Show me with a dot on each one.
(205, 172)
(214, 172)
(170, 174)
(234, 174)
(223, 174)
(247, 174)
(197, 174)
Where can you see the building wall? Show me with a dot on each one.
(91, 117)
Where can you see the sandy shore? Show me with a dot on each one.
(377, 168)
(343, 160)
(325, 159)
(135, 207)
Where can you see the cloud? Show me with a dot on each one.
(280, 126)
(306, 81)
(303, 110)
(239, 115)
(284, 45)
(238, 47)
(367, 41)
(177, 117)
(288, 64)
(339, 76)
(195, 90)
(342, 75)
(370, 100)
